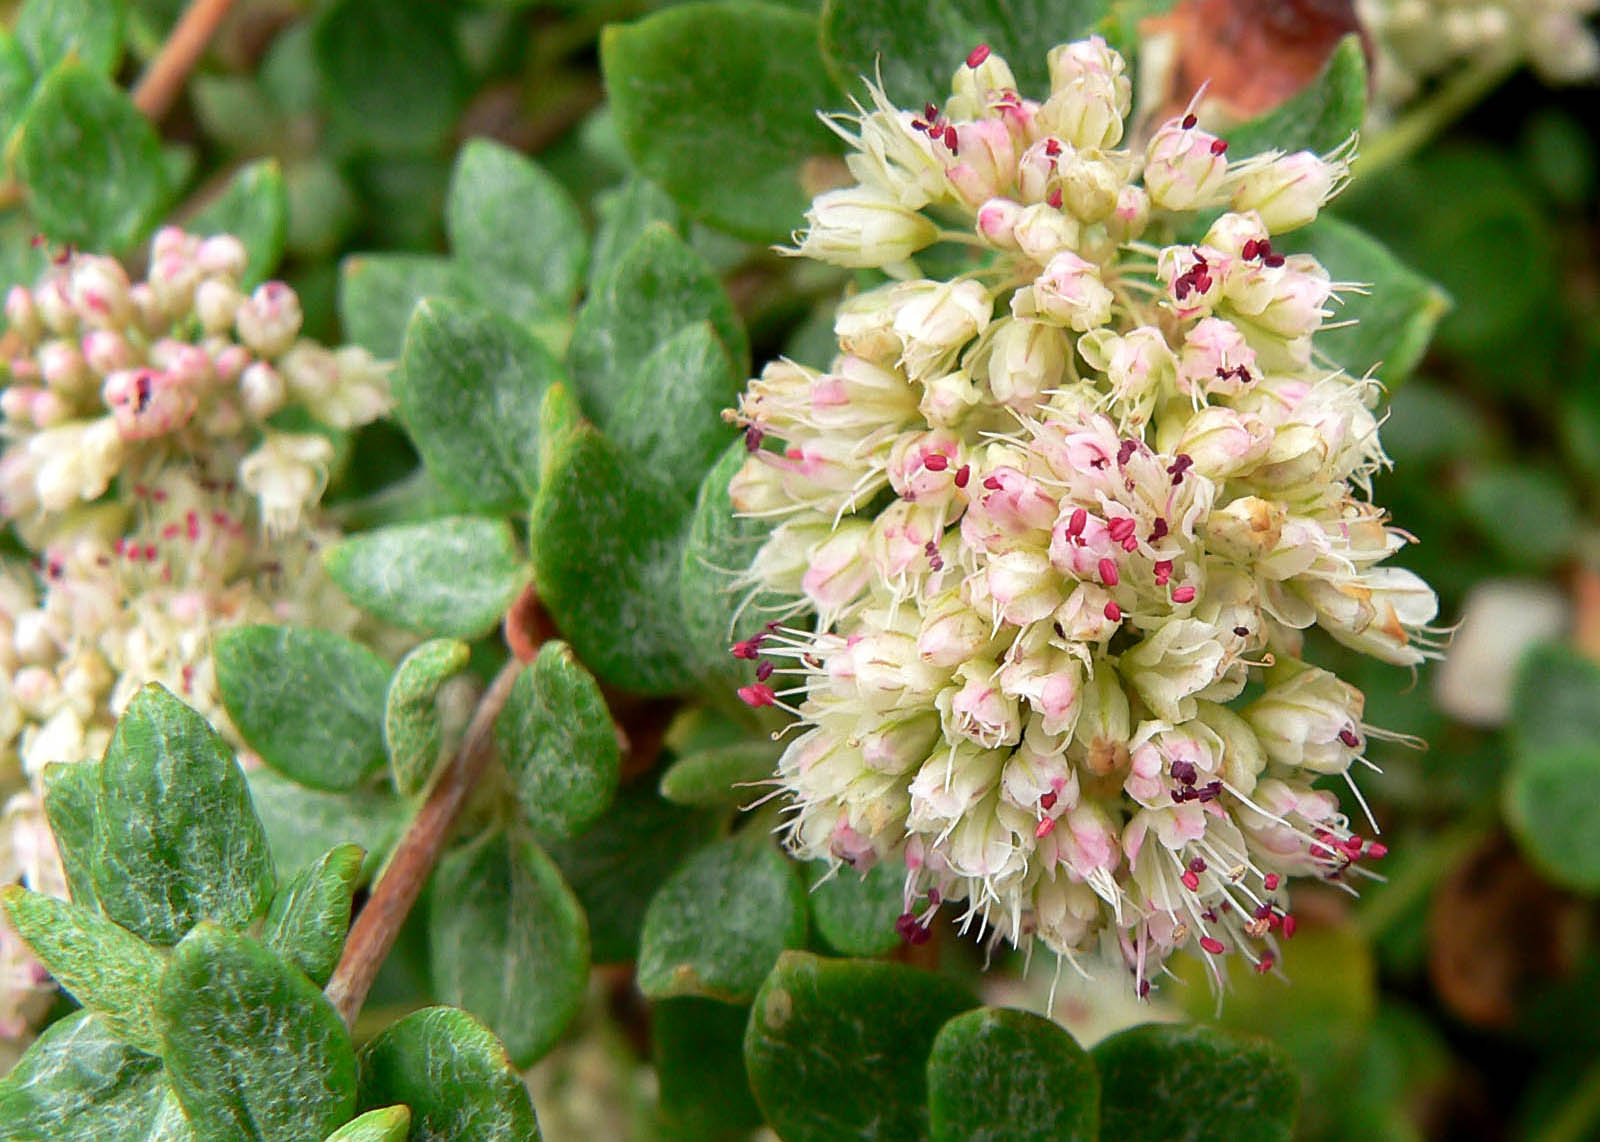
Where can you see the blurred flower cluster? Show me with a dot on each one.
(146, 472)
(1418, 40)
(1063, 519)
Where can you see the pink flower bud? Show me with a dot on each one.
(1070, 293)
(1184, 168)
(22, 315)
(269, 319)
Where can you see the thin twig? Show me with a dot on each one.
(158, 88)
(375, 929)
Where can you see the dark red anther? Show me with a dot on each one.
(1348, 736)
(1184, 594)
(1055, 198)
(978, 55)
(1242, 632)
(1197, 864)
(1250, 249)
(1076, 521)
(1047, 802)
(1108, 572)
(1264, 964)
(1210, 791)
(1125, 451)
(1271, 881)
(1184, 771)
(764, 671)
(930, 111)
(1272, 260)
(1190, 881)
(1262, 911)
(1377, 850)
(1121, 527)
(1219, 146)
(963, 474)
(749, 649)
(1189, 121)
(1181, 463)
(1044, 828)
(992, 483)
(1144, 988)
(1158, 530)
(936, 462)
(757, 695)
(1211, 944)
(1113, 612)
(950, 140)
(1289, 925)
(1163, 571)
(753, 436)
(1353, 845)
(1052, 147)
(910, 931)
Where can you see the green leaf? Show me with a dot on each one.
(374, 56)
(608, 542)
(720, 545)
(389, 1124)
(516, 229)
(855, 914)
(719, 923)
(1194, 1082)
(617, 865)
(303, 824)
(1555, 702)
(451, 577)
(177, 841)
(697, 1047)
(919, 55)
(254, 208)
(997, 1075)
(509, 942)
(310, 702)
(16, 83)
(1319, 117)
(310, 915)
(1558, 830)
(253, 1050)
(70, 791)
(468, 392)
(839, 1048)
(92, 165)
(656, 289)
(377, 293)
(729, 88)
(625, 214)
(322, 211)
(78, 1080)
(106, 968)
(669, 413)
(1394, 320)
(412, 732)
(1528, 514)
(559, 745)
(88, 30)
(721, 775)
(453, 1074)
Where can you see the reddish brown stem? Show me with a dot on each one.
(158, 88)
(375, 929)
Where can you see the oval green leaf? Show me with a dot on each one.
(997, 1075)
(412, 730)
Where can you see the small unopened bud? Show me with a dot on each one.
(1288, 191)
(1026, 358)
(63, 367)
(55, 306)
(222, 256)
(22, 315)
(1070, 292)
(1042, 231)
(107, 350)
(216, 304)
(262, 389)
(100, 292)
(1089, 187)
(269, 319)
(859, 227)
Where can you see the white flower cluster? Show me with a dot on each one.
(1055, 514)
(1417, 40)
(143, 472)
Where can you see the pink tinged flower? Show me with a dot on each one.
(1221, 442)
(269, 320)
(22, 315)
(1007, 503)
(862, 227)
(997, 221)
(1042, 231)
(1186, 168)
(147, 403)
(1138, 364)
(1090, 186)
(1024, 586)
(838, 570)
(1287, 191)
(1068, 292)
(1193, 277)
(1215, 360)
(897, 746)
(977, 709)
(985, 161)
(936, 319)
(1132, 214)
(922, 466)
(1310, 720)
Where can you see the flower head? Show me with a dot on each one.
(1054, 515)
